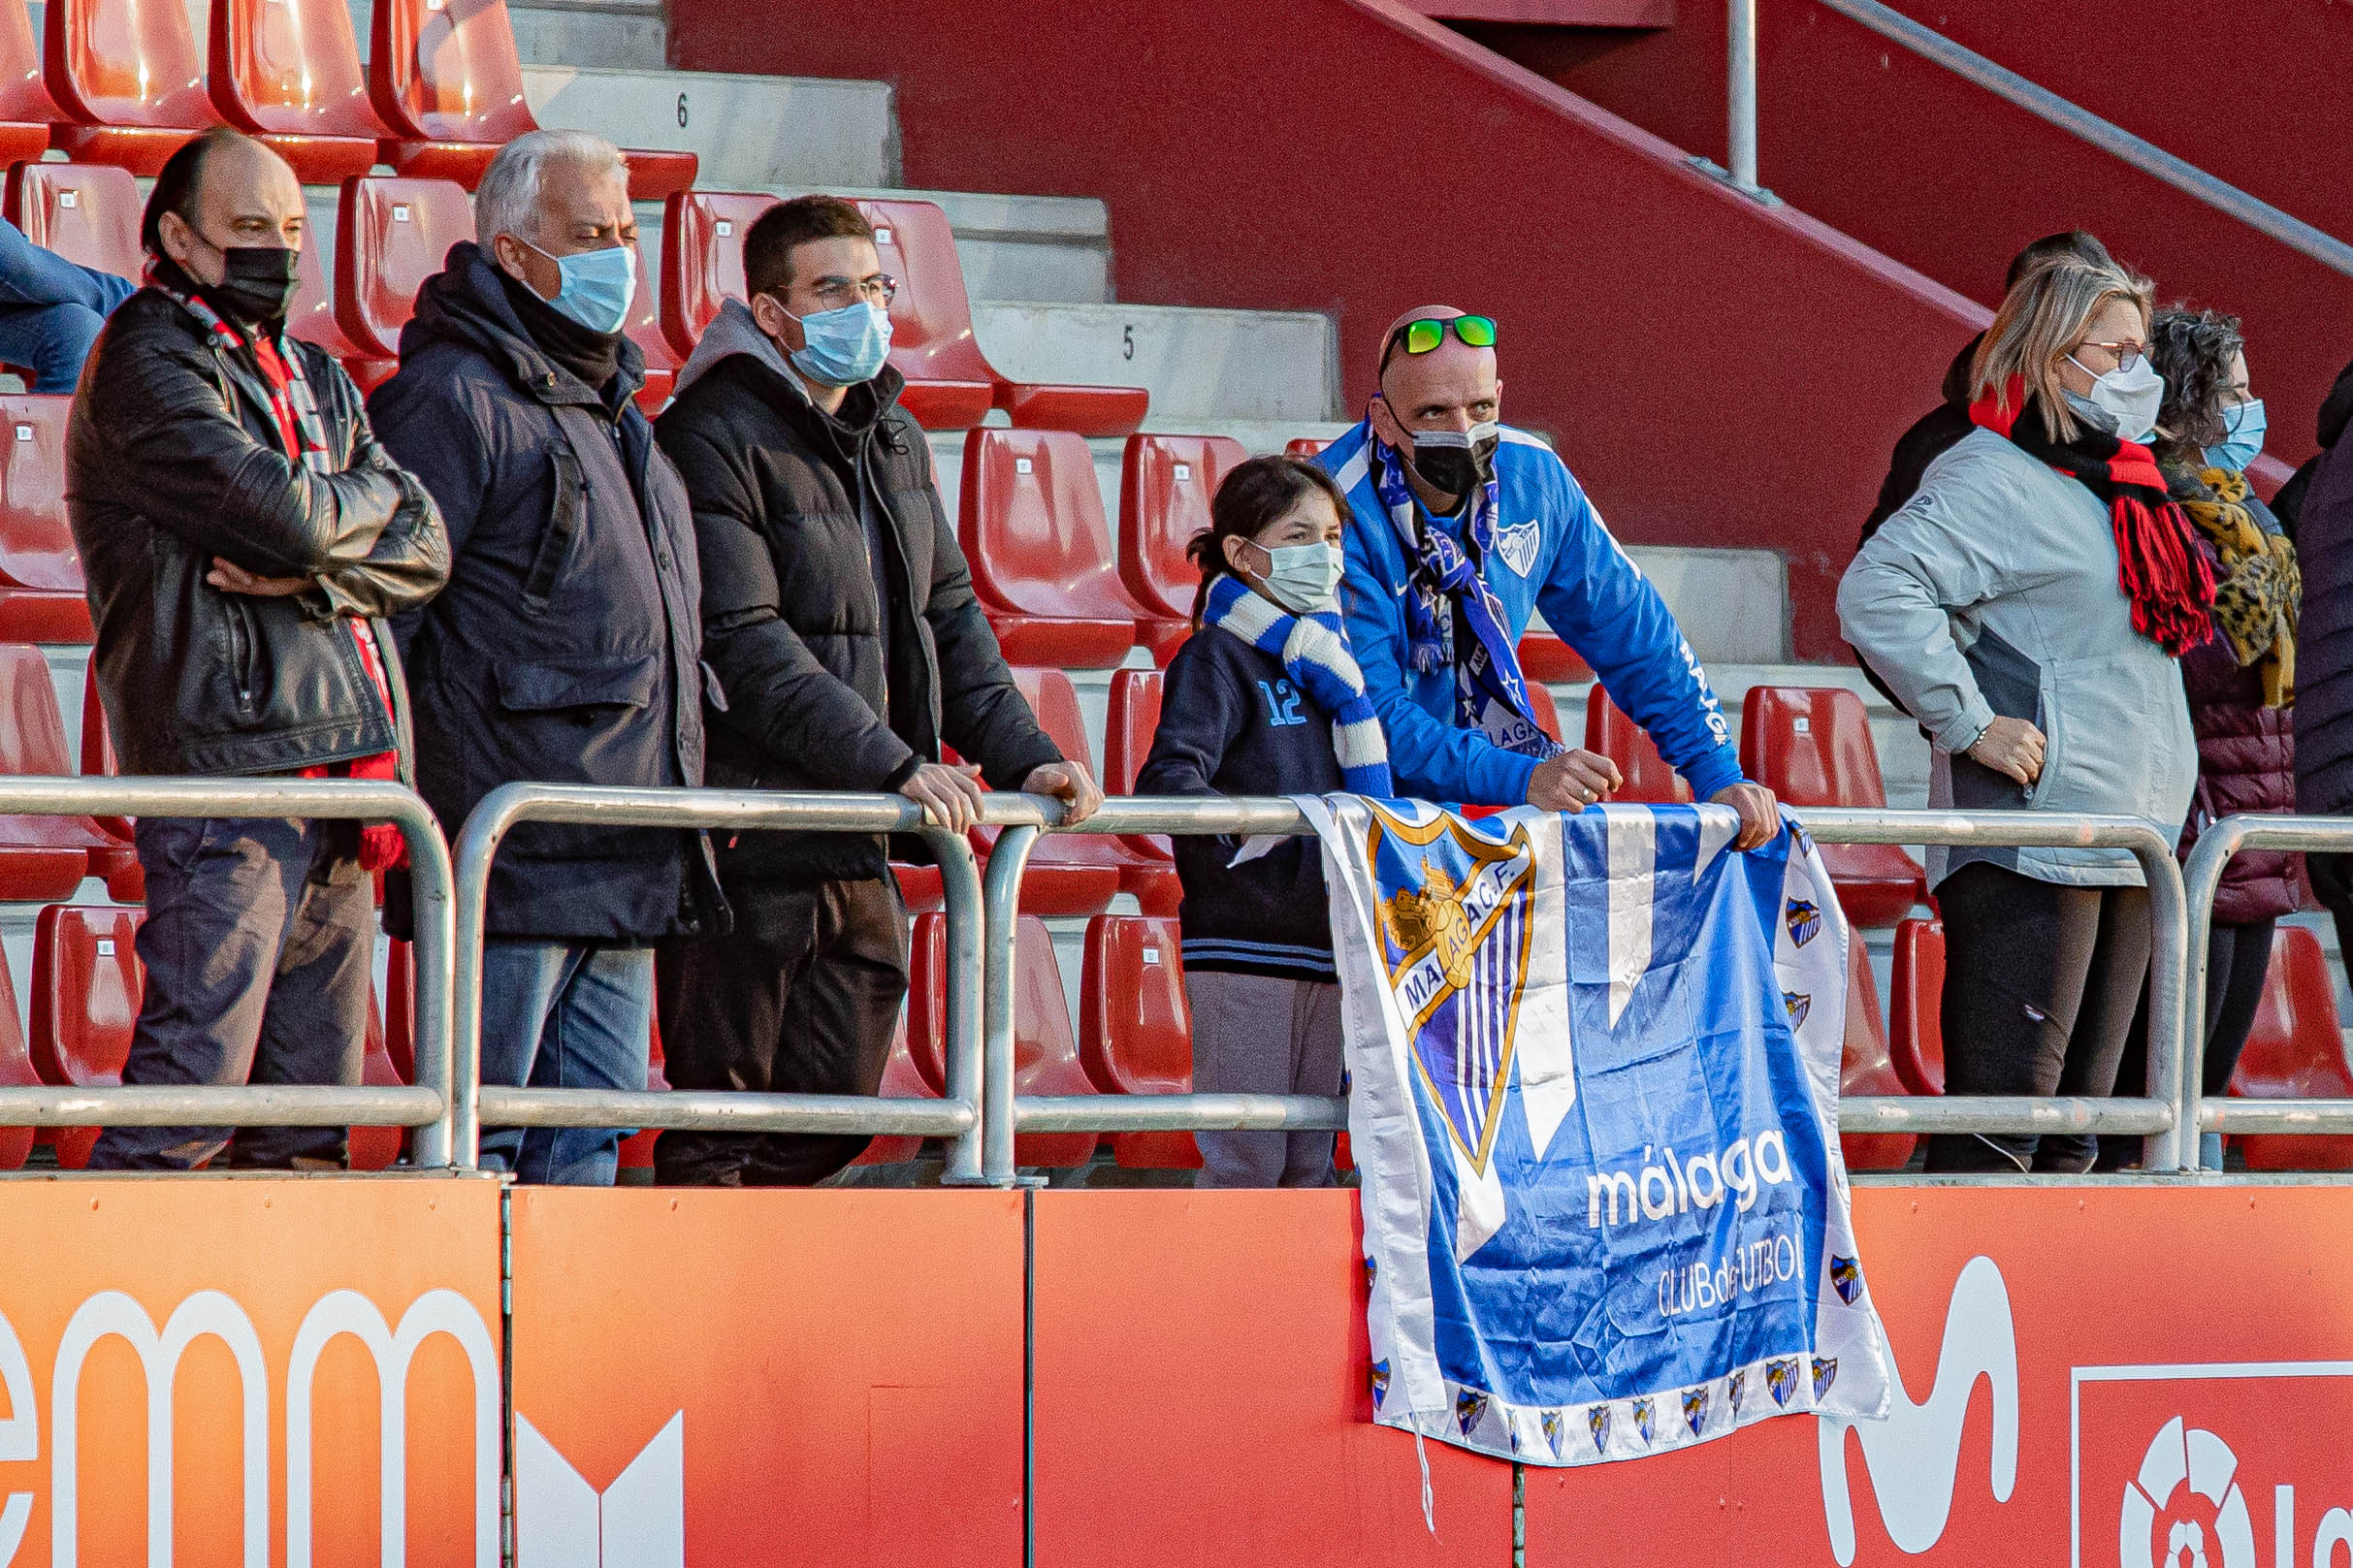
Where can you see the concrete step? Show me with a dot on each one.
(749, 132)
(630, 33)
(1254, 365)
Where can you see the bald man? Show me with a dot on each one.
(1462, 526)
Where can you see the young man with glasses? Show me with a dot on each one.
(839, 624)
(1462, 528)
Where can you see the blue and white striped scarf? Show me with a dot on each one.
(1490, 693)
(1314, 651)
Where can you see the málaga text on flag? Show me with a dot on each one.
(1593, 1064)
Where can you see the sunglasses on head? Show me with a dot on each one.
(1421, 337)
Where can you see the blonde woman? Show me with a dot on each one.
(2027, 606)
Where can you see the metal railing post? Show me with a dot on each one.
(1740, 97)
(966, 907)
(433, 935)
(1007, 862)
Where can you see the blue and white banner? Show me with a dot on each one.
(1594, 1066)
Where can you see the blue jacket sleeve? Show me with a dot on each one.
(1429, 757)
(1601, 605)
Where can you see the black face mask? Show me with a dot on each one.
(1455, 461)
(256, 286)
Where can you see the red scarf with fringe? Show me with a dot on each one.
(2163, 573)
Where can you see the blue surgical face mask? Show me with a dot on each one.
(598, 286)
(843, 348)
(2244, 429)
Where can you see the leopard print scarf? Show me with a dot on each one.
(2257, 603)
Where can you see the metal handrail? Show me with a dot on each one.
(2038, 101)
(425, 1106)
(2156, 1116)
(958, 1116)
(2203, 877)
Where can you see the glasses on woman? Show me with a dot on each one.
(2128, 354)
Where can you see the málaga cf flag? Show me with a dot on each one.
(1595, 1067)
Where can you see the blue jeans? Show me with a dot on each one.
(50, 309)
(562, 1016)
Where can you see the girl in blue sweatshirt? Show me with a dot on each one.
(1264, 699)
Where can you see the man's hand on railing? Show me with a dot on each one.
(1760, 813)
(1070, 783)
(950, 795)
(1572, 781)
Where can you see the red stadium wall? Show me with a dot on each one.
(1946, 178)
(1717, 373)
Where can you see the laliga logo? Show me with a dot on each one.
(2191, 1460)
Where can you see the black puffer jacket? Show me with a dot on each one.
(791, 621)
(173, 457)
(567, 636)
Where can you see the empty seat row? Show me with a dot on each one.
(120, 83)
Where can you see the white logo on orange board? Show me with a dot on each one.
(2194, 1459)
(641, 1521)
(1913, 1457)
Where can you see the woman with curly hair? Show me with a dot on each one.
(2240, 682)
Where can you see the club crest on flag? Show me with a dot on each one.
(1847, 1278)
(1737, 1390)
(1556, 1433)
(1695, 1408)
(1800, 1004)
(1598, 1420)
(1470, 1406)
(1642, 1420)
(1826, 1373)
(1455, 933)
(1380, 1383)
(1804, 920)
(1781, 1377)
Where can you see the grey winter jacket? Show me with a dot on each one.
(1994, 592)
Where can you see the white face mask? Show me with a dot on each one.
(2131, 398)
(1303, 578)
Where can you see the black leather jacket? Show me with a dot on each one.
(171, 459)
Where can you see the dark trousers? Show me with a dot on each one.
(2236, 959)
(257, 946)
(802, 997)
(2040, 985)
(2332, 877)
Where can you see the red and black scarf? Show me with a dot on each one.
(2158, 565)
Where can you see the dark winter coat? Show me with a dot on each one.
(809, 692)
(2336, 412)
(2324, 642)
(172, 457)
(2246, 762)
(564, 649)
(1232, 722)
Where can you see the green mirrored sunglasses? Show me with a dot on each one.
(1421, 337)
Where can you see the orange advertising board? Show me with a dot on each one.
(244, 1372)
(744, 1378)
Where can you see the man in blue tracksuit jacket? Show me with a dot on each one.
(1461, 528)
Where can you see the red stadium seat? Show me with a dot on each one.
(16, 1072)
(1812, 746)
(1649, 780)
(86, 212)
(950, 383)
(2295, 1051)
(1545, 658)
(41, 590)
(1128, 730)
(1915, 1019)
(86, 986)
(392, 234)
(702, 258)
(401, 1009)
(1304, 446)
(312, 319)
(1166, 483)
(1068, 874)
(128, 79)
(118, 861)
(920, 887)
(447, 81)
(26, 110)
(902, 1079)
(375, 1148)
(1135, 1030)
(1543, 709)
(1032, 530)
(1867, 1069)
(42, 858)
(644, 328)
(289, 71)
(1045, 1056)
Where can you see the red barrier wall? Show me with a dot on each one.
(1944, 177)
(1717, 373)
